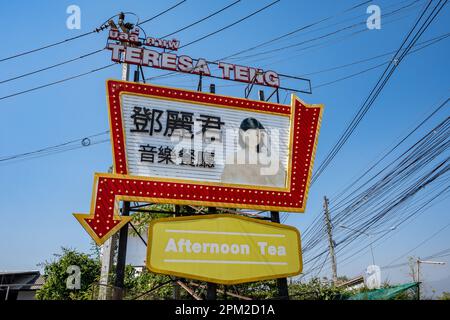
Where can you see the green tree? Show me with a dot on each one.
(55, 274)
(137, 285)
(444, 296)
(316, 290)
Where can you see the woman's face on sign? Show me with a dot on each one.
(253, 137)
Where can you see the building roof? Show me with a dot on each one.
(352, 282)
(21, 280)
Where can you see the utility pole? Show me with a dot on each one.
(418, 272)
(330, 238)
(107, 251)
(283, 290)
(123, 234)
(175, 287)
(211, 288)
(282, 285)
(418, 279)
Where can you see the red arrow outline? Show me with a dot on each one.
(104, 219)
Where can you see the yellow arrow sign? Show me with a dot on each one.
(222, 248)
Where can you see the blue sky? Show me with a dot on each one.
(38, 196)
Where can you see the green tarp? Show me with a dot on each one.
(384, 293)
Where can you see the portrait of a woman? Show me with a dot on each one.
(248, 165)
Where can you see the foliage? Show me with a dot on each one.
(141, 219)
(137, 284)
(444, 296)
(258, 290)
(55, 274)
(316, 289)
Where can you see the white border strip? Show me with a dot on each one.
(227, 233)
(225, 262)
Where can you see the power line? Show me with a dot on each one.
(48, 46)
(202, 19)
(51, 66)
(173, 74)
(373, 67)
(213, 33)
(161, 13)
(436, 39)
(420, 244)
(320, 44)
(367, 171)
(398, 57)
(382, 202)
(97, 51)
(97, 30)
(425, 206)
(425, 43)
(302, 28)
(229, 25)
(56, 82)
(349, 27)
(58, 148)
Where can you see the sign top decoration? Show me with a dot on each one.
(128, 48)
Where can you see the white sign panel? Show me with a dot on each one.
(183, 140)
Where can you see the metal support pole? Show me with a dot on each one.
(211, 288)
(175, 286)
(282, 284)
(261, 95)
(121, 256)
(200, 82)
(109, 246)
(330, 239)
(371, 249)
(123, 235)
(418, 279)
(107, 258)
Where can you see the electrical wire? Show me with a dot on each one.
(161, 13)
(349, 27)
(51, 66)
(83, 142)
(398, 57)
(299, 29)
(341, 203)
(57, 82)
(176, 74)
(383, 201)
(419, 245)
(47, 46)
(229, 25)
(202, 19)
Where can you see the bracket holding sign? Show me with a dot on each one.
(179, 146)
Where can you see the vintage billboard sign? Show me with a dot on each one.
(225, 249)
(186, 147)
